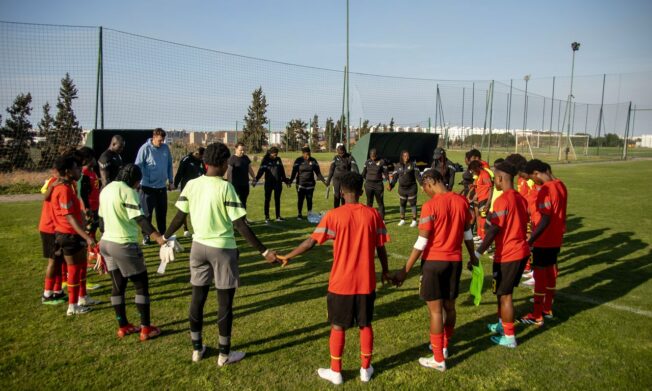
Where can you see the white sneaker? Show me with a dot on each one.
(267, 221)
(477, 238)
(87, 300)
(443, 350)
(529, 282)
(365, 374)
(232, 358)
(330, 375)
(429, 362)
(76, 309)
(413, 224)
(187, 234)
(528, 275)
(197, 355)
(401, 223)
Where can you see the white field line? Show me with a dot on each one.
(608, 304)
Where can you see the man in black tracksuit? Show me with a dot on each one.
(304, 170)
(272, 167)
(445, 167)
(408, 176)
(342, 163)
(190, 167)
(375, 169)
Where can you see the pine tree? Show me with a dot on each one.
(329, 131)
(391, 125)
(365, 128)
(69, 133)
(16, 134)
(254, 134)
(49, 149)
(295, 136)
(314, 135)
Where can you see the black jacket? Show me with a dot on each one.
(407, 175)
(375, 170)
(304, 171)
(340, 166)
(447, 171)
(189, 168)
(273, 170)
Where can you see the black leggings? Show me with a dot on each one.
(337, 197)
(119, 286)
(307, 195)
(277, 188)
(406, 196)
(243, 193)
(155, 200)
(224, 316)
(374, 189)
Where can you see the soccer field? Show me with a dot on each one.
(601, 337)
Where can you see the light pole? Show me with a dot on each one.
(527, 79)
(575, 46)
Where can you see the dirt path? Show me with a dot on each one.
(20, 198)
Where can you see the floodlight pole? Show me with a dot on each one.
(575, 46)
(527, 79)
(348, 113)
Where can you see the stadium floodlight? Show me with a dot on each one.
(527, 79)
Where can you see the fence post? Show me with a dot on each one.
(99, 86)
(629, 115)
(604, 79)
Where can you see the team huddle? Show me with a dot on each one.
(522, 224)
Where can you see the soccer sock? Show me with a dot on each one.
(551, 287)
(49, 287)
(449, 331)
(83, 271)
(437, 342)
(366, 346)
(73, 283)
(64, 271)
(57, 278)
(336, 343)
(414, 212)
(508, 327)
(539, 291)
(118, 286)
(142, 297)
(199, 295)
(225, 318)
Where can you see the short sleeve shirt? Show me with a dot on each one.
(510, 216)
(551, 201)
(213, 205)
(94, 195)
(239, 170)
(356, 231)
(119, 206)
(65, 202)
(46, 222)
(445, 216)
(483, 185)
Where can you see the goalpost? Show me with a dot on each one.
(551, 145)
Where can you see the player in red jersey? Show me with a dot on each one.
(483, 191)
(507, 226)
(52, 292)
(70, 236)
(444, 224)
(546, 239)
(357, 231)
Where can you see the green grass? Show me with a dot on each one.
(601, 337)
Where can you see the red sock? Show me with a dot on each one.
(336, 343)
(551, 287)
(366, 346)
(64, 271)
(82, 279)
(73, 284)
(57, 278)
(437, 342)
(539, 291)
(449, 331)
(49, 284)
(509, 328)
(481, 222)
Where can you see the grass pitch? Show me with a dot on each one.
(601, 337)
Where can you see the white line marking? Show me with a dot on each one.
(608, 304)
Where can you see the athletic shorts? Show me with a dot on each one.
(507, 276)
(440, 280)
(50, 249)
(208, 264)
(347, 310)
(70, 244)
(544, 256)
(127, 257)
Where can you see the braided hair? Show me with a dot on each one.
(129, 174)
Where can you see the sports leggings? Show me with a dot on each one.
(224, 316)
(119, 286)
(406, 196)
(304, 194)
(374, 189)
(277, 188)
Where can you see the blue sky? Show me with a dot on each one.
(456, 40)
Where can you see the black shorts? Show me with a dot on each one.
(544, 256)
(50, 248)
(346, 310)
(70, 244)
(507, 276)
(440, 280)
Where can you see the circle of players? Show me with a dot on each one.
(524, 221)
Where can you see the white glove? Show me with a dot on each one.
(166, 253)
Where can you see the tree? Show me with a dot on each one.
(391, 125)
(314, 134)
(17, 138)
(295, 136)
(332, 138)
(69, 133)
(254, 134)
(364, 129)
(50, 148)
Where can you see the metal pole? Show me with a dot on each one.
(586, 121)
(343, 103)
(236, 132)
(462, 127)
(436, 107)
(552, 113)
(509, 108)
(629, 115)
(491, 112)
(575, 46)
(348, 113)
(604, 79)
(472, 107)
(97, 84)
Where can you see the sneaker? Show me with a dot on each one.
(53, 300)
(429, 362)
(331, 375)
(267, 220)
(444, 351)
(496, 328)
(401, 223)
(149, 332)
(61, 295)
(197, 355)
(531, 300)
(503, 340)
(127, 330)
(87, 300)
(529, 282)
(187, 234)
(280, 219)
(413, 224)
(92, 287)
(365, 374)
(299, 217)
(547, 315)
(477, 238)
(530, 319)
(527, 275)
(232, 358)
(76, 309)
(146, 241)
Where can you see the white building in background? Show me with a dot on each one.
(646, 141)
(274, 138)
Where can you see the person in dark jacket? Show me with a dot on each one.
(445, 167)
(190, 167)
(374, 171)
(239, 171)
(272, 167)
(408, 176)
(342, 163)
(304, 170)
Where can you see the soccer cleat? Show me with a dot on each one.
(87, 300)
(149, 332)
(187, 234)
(299, 217)
(330, 375)
(503, 340)
(146, 241)
(197, 355)
(92, 287)
(280, 219)
(529, 282)
(527, 275)
(267, 220)
(60, 295)
(127, 330)
(547, 315)
(496, 328)
(429, 362)
(401, 223)
(76, 309)
(232, 358)
(413, 224)
(365, 374)
(53, 300)
(530, 319)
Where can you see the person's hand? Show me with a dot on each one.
(90, 242)
(389, 188)
(283, 260)
(386, 278)
(160, 240)
(473, 261)
(399, 277)
(171, 186)
(271, 256)
(253, 183)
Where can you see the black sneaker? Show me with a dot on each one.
(51, 300)
(146, 241)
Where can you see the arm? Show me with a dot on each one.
(149, 230)
(261, 170)
(491, 232)
(181, 172)
(417, 175)
(78, 228)
(331, 171)
(385, 172)
(364, 170)
(104, 176)
(295, 171)
(283, 178)
(253, 240)
(251, 173)
(382, 256)
(538, 230)
(48, 191)
(141, 158)
(85, 190)
(229, 173)
(317, 171)
(393, 181)
(170, 173)
(175, 224)
(354, 166)
(417, 250)
(306, 245)
(468, 243)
